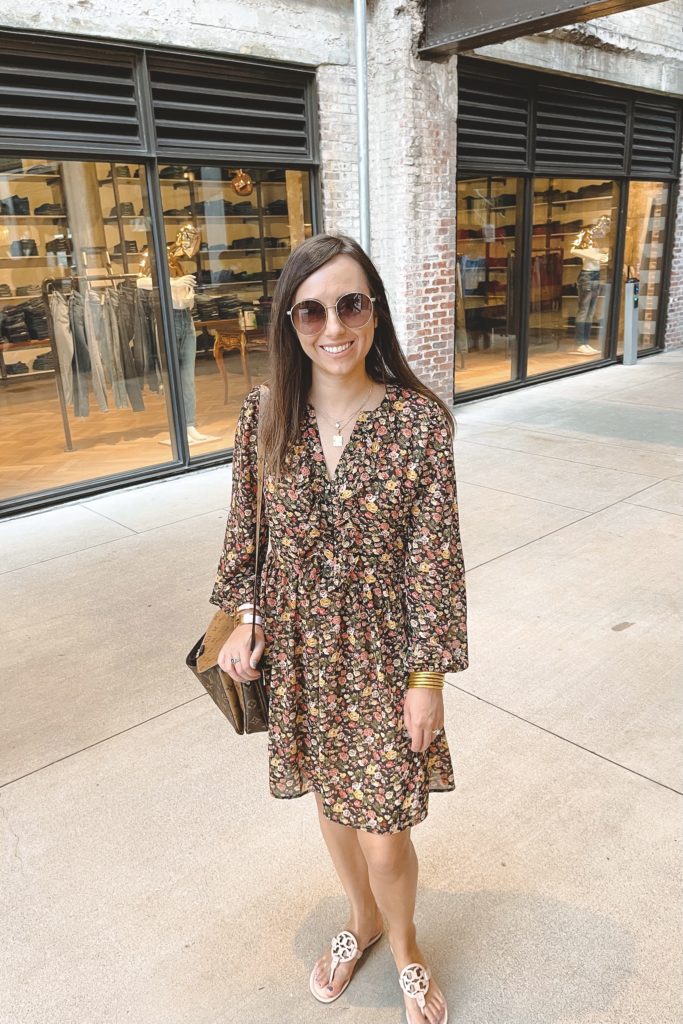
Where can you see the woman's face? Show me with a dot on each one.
(336, 350)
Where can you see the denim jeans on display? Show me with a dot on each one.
(132, 344)
(118, 378)
(93, 320)
(153, 377)
(588, 288)
(64, 343)
(186, 341)
(81, 363)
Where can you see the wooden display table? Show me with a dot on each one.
(229, 336)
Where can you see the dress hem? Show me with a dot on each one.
(387, 831)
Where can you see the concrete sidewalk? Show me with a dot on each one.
(148, 876)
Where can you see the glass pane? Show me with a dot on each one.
(232, 229)
(489, 212)
(642, 270)
(82, 384)
(574, 229)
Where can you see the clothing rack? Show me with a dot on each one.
(49, 284)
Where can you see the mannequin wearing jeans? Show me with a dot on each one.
(588, 281)
(182, 291)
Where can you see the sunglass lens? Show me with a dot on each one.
(354, 309)
(308, 317)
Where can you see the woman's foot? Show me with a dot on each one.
(435, 1004)
(364, 933)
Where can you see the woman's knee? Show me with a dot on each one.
(386, 855)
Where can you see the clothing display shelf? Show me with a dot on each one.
(23, 197)
(268, 256)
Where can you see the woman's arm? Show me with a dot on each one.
(435, 582)
(234, 583)
(435, 571)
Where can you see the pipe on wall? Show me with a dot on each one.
(360, 27)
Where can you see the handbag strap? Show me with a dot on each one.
(260, 459)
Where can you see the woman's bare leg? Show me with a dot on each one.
(392, 869)
(365, 919)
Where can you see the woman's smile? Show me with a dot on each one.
(338, 350)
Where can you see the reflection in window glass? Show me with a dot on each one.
(245, 222)
(486, 275)
(573, 233)
(83, 393)
(643, 255)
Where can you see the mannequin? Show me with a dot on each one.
(183, 287)
(588, 281)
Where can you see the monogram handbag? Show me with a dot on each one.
(244, 704)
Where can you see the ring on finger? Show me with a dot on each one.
(235, 661)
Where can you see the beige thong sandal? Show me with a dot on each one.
(414, 980)
(344, 948)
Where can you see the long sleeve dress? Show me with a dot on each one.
(361, 582)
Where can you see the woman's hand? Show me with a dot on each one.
(238, 645)
(423, 716)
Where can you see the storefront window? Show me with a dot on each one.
(245, 222)
(486, 281)
(83, 389)
(572, 270)
(643, 256)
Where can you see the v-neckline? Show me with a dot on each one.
(359, 421)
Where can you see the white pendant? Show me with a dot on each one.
(337, 441)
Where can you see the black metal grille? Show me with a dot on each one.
(70, 99)
(655, 134)
(493, 122)
(215, 108)
(581, 131)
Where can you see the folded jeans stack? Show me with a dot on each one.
(13, 325)
(36, 319)
(277, 206)
(130, 244)
(16, 205)
(59, 244)
(228, 309)
(122, 210)
(44, 362)
(49, 210)
(23, 247)
(15, 368)
(207, 309)
(249, 242)
(5, 291)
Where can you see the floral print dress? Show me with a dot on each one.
(361, 581)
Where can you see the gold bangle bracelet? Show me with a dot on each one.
(424, 686)
(426, 677)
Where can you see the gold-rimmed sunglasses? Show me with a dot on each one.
(354, 309)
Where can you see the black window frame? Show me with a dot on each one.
(538, 84)
(59, 146)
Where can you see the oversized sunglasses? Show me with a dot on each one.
(310, 316)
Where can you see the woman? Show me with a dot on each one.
(361, 596)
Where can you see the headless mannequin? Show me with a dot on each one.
(183, 287)
(588, 282)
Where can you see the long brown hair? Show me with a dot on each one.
(290, 368)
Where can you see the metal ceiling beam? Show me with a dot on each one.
(452, 26)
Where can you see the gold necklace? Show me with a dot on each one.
(337, 439)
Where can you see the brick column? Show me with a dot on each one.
(338, 149)
(412, 106)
